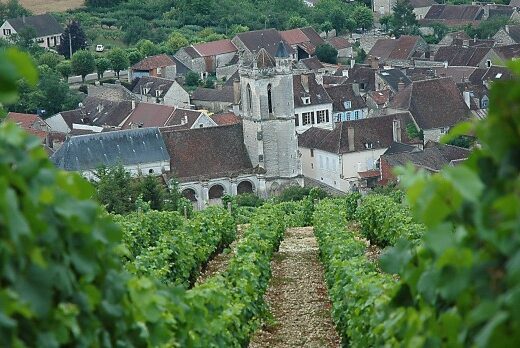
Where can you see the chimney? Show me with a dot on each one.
(352, 63)
(350, 138)
(236, 91)
(355, 89)
(23, 19)
(475, 38)
(467, 98)
(344, 72)
(400, 85)
(374, 63)
(507, 28)
(465, 43)
(305, 82)
(133, 104)
(396, 131)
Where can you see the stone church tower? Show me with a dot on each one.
(267, 110)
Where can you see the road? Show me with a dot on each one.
(93, 77)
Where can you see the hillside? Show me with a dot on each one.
(42, 6)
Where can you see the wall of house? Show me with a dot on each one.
(170, 72)
(58, 124)
(177, 96)
(350, 115)
(434, 134)
(6, 26)
(50, 41)
(298, 112)
(157, 169)
(212, 106)
(203, 121)
(138, 73)
(359, 161)
(420, 12)
(110, 92)
(230, 185)
(502, 38)
(345, 52)
(383, 6)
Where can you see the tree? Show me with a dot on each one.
(147, 48)
(77, 37)
(385, 21)
(361, 56)
(175, 41)
(52, 90)
(83, 63)
(134, 56)
(114, 189)
(102, 3)
(403, 20)
(65, 69)
(102, 65)
(297, 22)
(192, 79)
(327, 54)
(12, 9)
(50, 59)
(363, 17)
(119, 60)
(326, 27)
(152, 192)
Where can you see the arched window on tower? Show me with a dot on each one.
(249, 97)
(269, 99)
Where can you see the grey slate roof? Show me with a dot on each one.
(126, 147)
(43, 24)
(393, 77)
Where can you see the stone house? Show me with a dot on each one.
(467, 56)
(47, 29)
(162, 91)
(206, 57)
(399, 52)
(453, 15)
(160, 65)
(347, 157)
(508, 35)
(343, 46)
(140, 151)
(303, 41)
(377, 101)
(392, 79)
(312, 64)
(312, 104)
(420, 7)
(347, 103)
(434, 118)
(251, 42)
(213, 99)
(32, 124)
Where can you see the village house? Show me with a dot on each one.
(467, 56)
(46, 28)
(213, 99)
(312, 64)
(420, 7)
(251, 42)
(347, 103)
(436, 105)
(343, 46)
(362, 76)
(392, 79)
(312, 104)
(453, 15)
(162, 91)
(346, 158)
(160, 65)
(508, 35)
(377, 101)
(207, 57)
(303, 41)
(141, 151)
(399, 52)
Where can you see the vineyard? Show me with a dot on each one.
(438, 266)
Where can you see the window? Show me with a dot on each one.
(327, 116)
(488, 63)
(356, 115)
(444, 130)
(158, 93)
(312, 152)
(306, 100)
(348, 116)
(306, 118)
(347, 104)
(485, 103)
(337, 117)
(150, 171)
(249, 98)
(296, 120)
(201, 125)
(321, 116)
(7, 32)
(312, 165)
(269, 99)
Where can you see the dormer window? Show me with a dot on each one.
(158, 93)
(368, 145)
(347, 104)
(146, 90)
(306, 100)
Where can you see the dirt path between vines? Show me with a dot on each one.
(297, 297)
(220, 262)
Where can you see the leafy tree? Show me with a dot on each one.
(152, 192)
(237, 29)
(175, 41)
(361, 56)
(134, 56)
(15, 67)
(403, 20)
(114, 189)
(77, 37)
(102, 3)
(333, 11)
(326, 27)
(83, 63)
(327, 54)
(386, 21)
(363, 17)
(487, 28)
(50, 59)
(297, 22)
(12, 9)
(64, 68)
(24, 39)
(102, 65)
(192, 79)
(147, 48)
(119, 60)
(135, 29)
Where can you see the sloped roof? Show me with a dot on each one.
(423, 100)
(393, 76)
(315, 91)
(508, 52)
(339, 42)
(154, 62)
(215, 48)
(454, 12)
(422, 3)
(183, 118)
(501, 11)
(514, 32)
(294, 36)
(314, 37)
(264, 59)
(375, 131)
(457, 73)
(98, 112)
(312, 63)
(31, 123)
(363, 74)
(461, 56)
(267, 39)
(153, 84)
(149, 115)
(43, 24)
(401, 48)
(224, 95)
(126, 147)
(396, 147)
(380, 97)
(209, 152)
(224, 119)
(340, 94)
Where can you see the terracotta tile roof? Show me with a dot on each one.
(154, 62)
(508, 52)
(455, 12)
(25, 121)
(457, 73)
(294, 36)
(461, 56)
(314, 90)
(312, 63)
(149, 115)
(339, 42)
(369, 133)
(215, 48)
(267, 39)
(422, 3)
(314, 37)
(183, 118)
(380, 97)
(225, 119)
(373, 173)
(422, 98)
(207, 152)
(404, 47)
(340, 94)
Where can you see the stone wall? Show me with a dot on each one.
(110, 92)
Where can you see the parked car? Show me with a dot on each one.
(100, 48)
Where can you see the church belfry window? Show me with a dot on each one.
(249, 97)
(269, 99)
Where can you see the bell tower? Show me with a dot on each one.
(267, 110)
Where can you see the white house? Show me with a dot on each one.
(46, 28)
(346, 158)
(347, 103)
